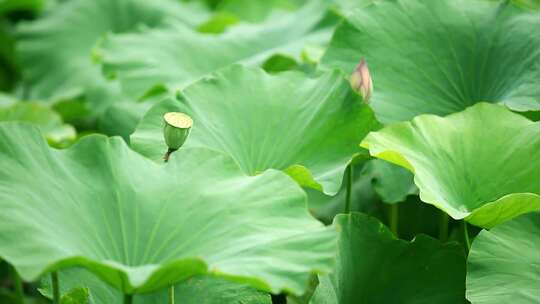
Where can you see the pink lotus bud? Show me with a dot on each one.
(361, 81)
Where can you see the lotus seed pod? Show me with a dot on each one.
(176, 130)
(361, 81)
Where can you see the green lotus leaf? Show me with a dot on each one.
(527, 4)
(121, 118)
(257, 11)
(503, 264)
(375, 267)
(196, 290)
(218, 23)
(177, 56)
(48, 121)
(75, 296)
(482, 164)
(260, 119)
(142, 226)
(55, 50)
(303, 299)
(392, 183)
(347, 7)
(363, 197)
(439, 57)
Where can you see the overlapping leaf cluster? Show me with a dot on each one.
(292, 185)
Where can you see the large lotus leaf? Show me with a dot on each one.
(177, 56)
(504, 265)
(482, 164)
(141, 226)
(375, 267)
(196, 290)
(442, 56)
(260, 120)
(55, 50)
(42, 116)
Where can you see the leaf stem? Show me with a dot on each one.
(466, 235)
(17, 284)
(171, 294)
(55, 287)
(168, 154)
(350, 173)
(128, 298)
(443, 227)
(394, 218)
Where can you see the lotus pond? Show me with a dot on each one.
(262, 152)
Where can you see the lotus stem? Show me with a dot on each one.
(171, 294)
(394, 218)
(128, 299)
(466, 235)
(18, 285)
(168, 154)
(443, 227)
(55, 287)
(350, 172)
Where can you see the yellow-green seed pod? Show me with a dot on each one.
(176, 130)
(361, 81)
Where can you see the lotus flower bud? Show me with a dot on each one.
(176, 130)
(361, 81)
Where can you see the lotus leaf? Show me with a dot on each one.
(308, 127)
(504, 265)
(482, 164)
(442, 56)
(142, 226)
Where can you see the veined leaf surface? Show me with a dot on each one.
(442, 56)
(142, 226)
(308, 127)
(482, 164)
(56, 50)
(176, 56)
(503, 264)
(196, 290)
